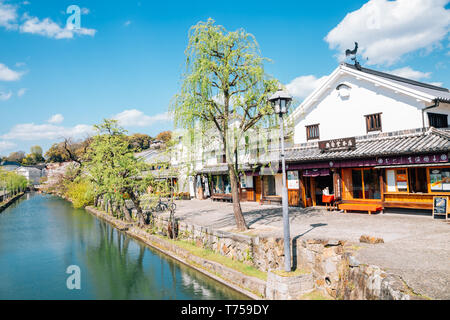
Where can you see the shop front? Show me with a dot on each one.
(409, 181)
(414, 186)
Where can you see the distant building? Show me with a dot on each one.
(32, 174)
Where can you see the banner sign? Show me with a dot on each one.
(390, 161)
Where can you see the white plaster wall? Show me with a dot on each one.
(344, 117)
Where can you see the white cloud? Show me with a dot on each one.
(127, 23)
(56, 119)
(409, 73)
(136, 118)
(48, 28)
(31, 131)
(45, 27)
(387, 30)
(21, 92)
(5, 96)
(7, 74)
(6, 145)
(8, 16)
(302, 86)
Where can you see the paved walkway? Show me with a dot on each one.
(416, 247)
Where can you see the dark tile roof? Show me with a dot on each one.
(416, 141)
(221, 169)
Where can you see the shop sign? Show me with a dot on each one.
(436, 158)
(293, 181)
(338, 144)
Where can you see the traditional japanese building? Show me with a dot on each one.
(368, 139)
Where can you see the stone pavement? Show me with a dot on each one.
(416, 247)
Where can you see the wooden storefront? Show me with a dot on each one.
(402, 186)
(393, 182)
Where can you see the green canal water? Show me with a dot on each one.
(42, 235)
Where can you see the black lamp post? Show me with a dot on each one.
(281, 101)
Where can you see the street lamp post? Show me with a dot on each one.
(280, 101)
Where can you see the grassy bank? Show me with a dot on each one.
(216, 257)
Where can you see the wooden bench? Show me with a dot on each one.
(271, 200)
(222, 197)
(360, 207)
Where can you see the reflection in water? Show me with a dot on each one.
(41, 235)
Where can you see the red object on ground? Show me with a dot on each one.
(328, 199)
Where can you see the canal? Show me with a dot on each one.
(42, 235)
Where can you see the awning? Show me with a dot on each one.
(413, 165)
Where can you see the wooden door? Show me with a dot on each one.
(293, 197)
(258, 190)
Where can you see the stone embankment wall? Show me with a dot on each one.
(10, 201)
(327, 266)
(334, 270)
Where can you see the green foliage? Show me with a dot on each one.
(67, 150)
(224, 94)
(12, 182)
(17, 156)
(139, 142)
(112, 167)
(224, 80)
(164, 136)
(37, 150)
(81, 192)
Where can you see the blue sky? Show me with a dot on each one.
(127, 58)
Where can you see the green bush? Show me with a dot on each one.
(81, 193)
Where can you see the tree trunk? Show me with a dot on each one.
(126, 213)
(137, 205)
(239, 217)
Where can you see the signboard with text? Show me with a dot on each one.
(338, 144)
(292, 179)
(435, 158)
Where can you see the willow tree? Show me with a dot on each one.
(224, 87)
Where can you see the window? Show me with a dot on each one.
(373, 122)
(397, 180)
(437, 120)
(221, 184)
(312, 132)
(365, 184)
(269, 186)
(418, 180)
(440, 180)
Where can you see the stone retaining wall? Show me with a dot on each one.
(328, 265)
(11, 201)
(335, 271)
(325, 260)
(367, 282)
